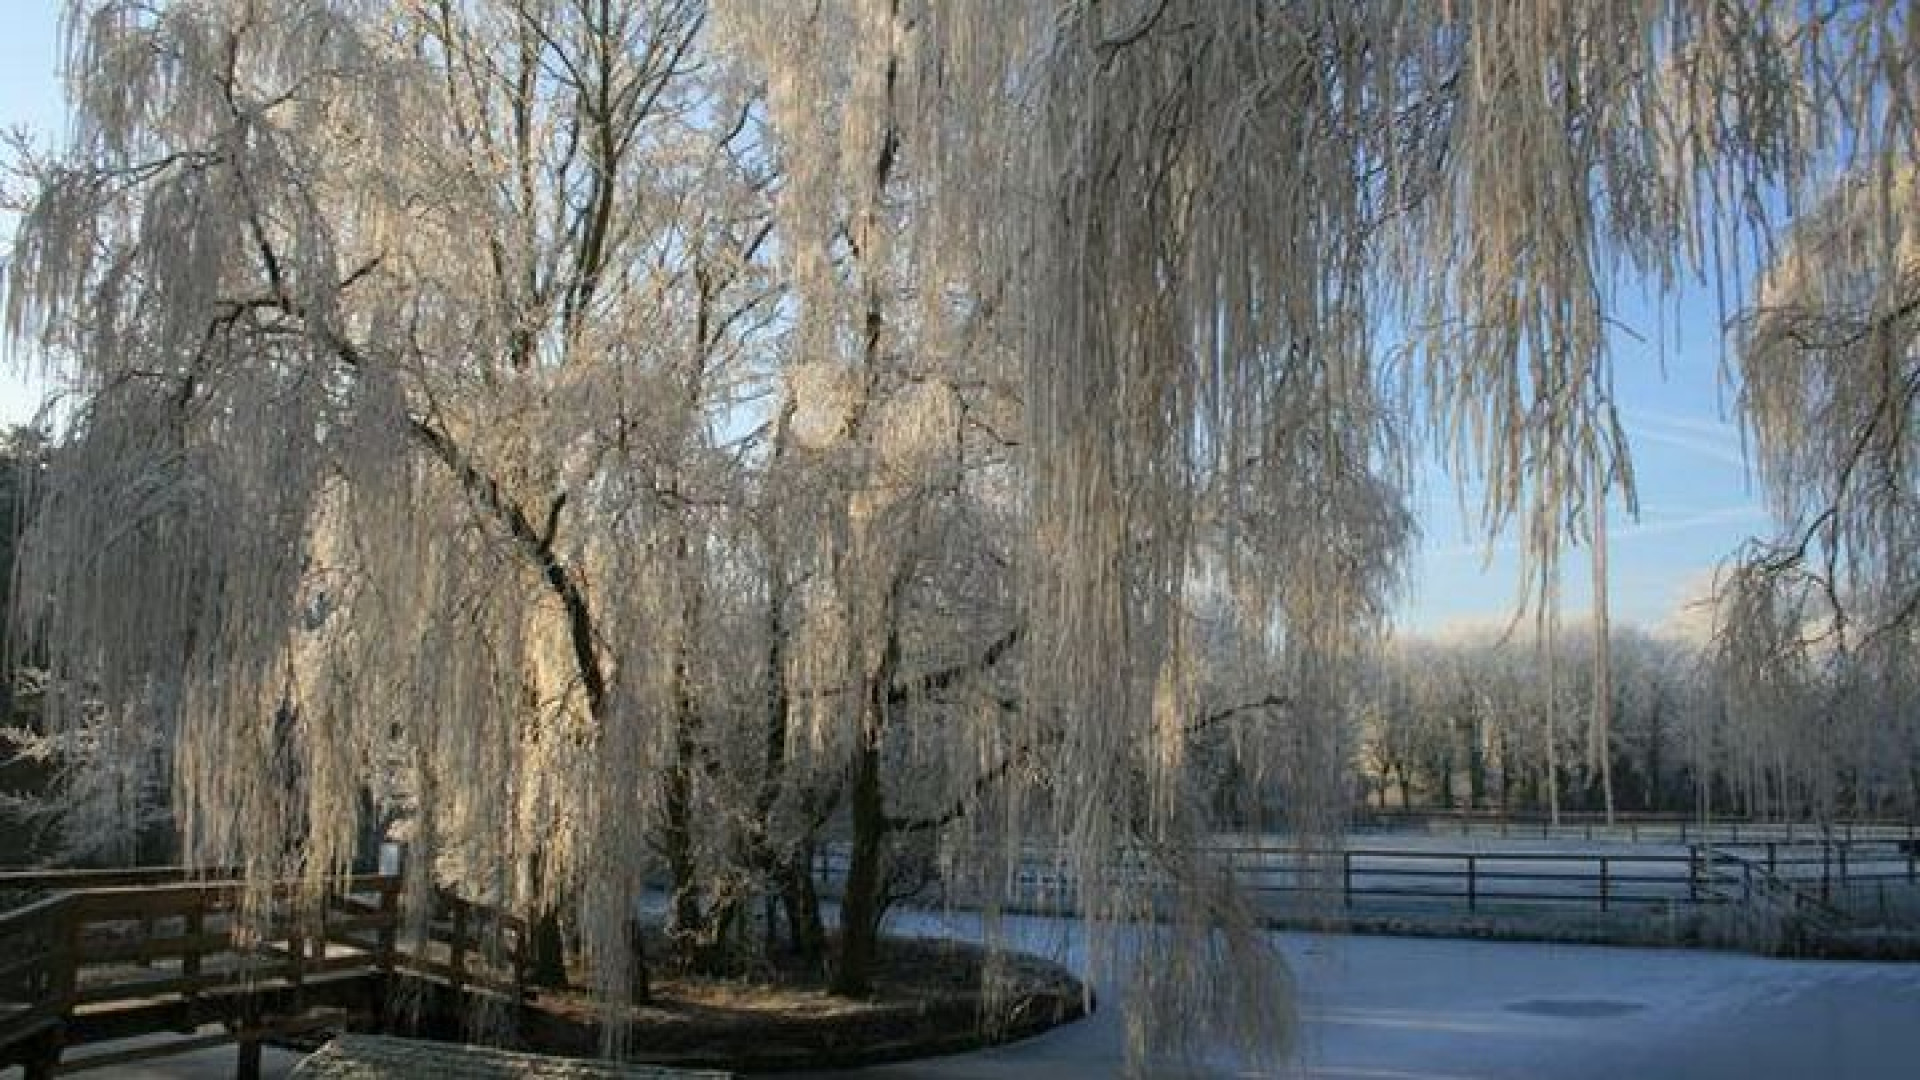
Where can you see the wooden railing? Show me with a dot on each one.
(1762, 885)
(1602, 880)
(1634, 827)
(115, 954)
(1605, 880)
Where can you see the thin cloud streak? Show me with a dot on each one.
(1715, 440)
(1723, 515)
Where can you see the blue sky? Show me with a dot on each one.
(1697, 498)
(29, 101)
(1697, 502)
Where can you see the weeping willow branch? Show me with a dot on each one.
(976, 791)
(538, 547)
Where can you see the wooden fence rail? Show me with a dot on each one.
(1637, 827)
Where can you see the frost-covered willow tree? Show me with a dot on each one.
(406, 405)
(1198, 223)
(405, 337)
(1819, 626)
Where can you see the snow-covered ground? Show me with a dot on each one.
(1384, 1008)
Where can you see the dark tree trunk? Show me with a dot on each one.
(642, 985)
(1476, 768)
(860, 903)
(802, 902)
(547, 949)
(689, 925)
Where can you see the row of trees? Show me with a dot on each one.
(1477, 722)
(620, 440)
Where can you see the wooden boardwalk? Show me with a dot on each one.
(109, 956)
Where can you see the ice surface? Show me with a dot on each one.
(1384, 1008)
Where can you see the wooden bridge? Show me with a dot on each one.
(107, 956)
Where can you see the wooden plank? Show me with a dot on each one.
(169, 1048)
(379, 920)
(68, 880)
(158, 948)
(133, 1017)
(77, 880)
(133, 902)
(32, 917)
(25, 1025)
(213, 981)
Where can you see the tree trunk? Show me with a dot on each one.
(547, 950)
(1476, 766)
(678, 844)
(802, 901)
(860, 902)
(642, 986)
(688, 922)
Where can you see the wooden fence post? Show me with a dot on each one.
(1346, 879)
(296, 951)
(247, 1065)
(196, 925)
(62, 981)
(520, 962)
(1473, 882)
(1603, 883)
(386, 940)
(458, 960)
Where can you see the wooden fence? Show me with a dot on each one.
(1636, 827)
(109, 955)
(1704, 875)
(1359, 879)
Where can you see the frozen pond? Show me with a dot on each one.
(1383, 1008)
